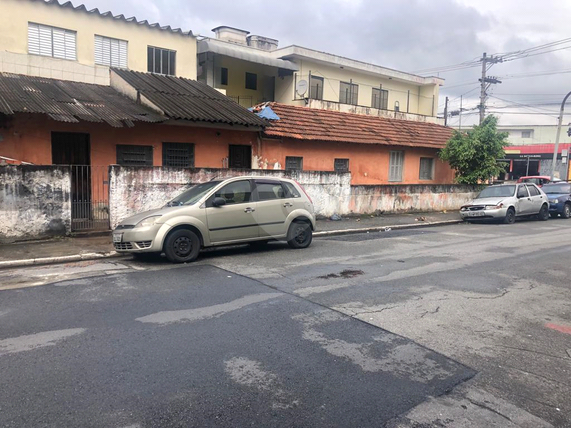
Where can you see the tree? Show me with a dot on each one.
(474, 155)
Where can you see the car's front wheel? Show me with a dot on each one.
(182, 246)
(566, 211)
(543, 213)
(510, 216)
(299, 235)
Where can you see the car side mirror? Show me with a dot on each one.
(217, 202)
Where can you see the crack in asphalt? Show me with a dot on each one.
(483, 406)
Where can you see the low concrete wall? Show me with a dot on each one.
(408, 198)
(35, 201)
(136, 189)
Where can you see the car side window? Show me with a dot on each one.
(291, 190)
(522, 192)
(238, 192)
(269, 191)
(533, 191)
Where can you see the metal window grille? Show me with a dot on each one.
(380, 99)
(348, 93)
(251, 81)
(110, 52)
(426, 169)
(52, 41)
(294, 163)
(161, 61)
(131, 155)
(316, 88)
(396, 162)
(224, 76)
(525, 134)
(178, 155)
(341, 165)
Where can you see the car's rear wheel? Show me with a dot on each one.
(566, 211)
(510, 216)
(182, 246)
(543, 213)
(299, 235)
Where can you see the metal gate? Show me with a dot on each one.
(89, 198)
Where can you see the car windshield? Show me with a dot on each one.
(497, 192)
(192, 195)
(557, 189)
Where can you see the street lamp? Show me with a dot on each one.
(558, 135)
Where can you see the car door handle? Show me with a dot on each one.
(287, 204)
(249, 210)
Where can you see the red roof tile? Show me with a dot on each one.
(304, 123)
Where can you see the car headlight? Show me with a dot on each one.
(149, 221)
(555, 201)
(494, 207)
(464, 209)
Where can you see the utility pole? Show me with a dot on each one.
(556, 149)
(446, 112)
(460, 115)
(485, 82)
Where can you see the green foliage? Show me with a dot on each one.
(474, 155)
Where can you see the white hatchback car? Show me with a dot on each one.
(506, 202)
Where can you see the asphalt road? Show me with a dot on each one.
(198, 347)
(495, 298)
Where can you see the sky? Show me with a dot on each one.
(407, 35)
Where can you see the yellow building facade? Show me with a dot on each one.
(304, 76)
(90, 42)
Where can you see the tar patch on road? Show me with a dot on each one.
(358, 237)
(346, 273)
(198, 347)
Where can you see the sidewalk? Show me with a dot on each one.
(63, 250)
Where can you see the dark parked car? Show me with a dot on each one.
(559, 195)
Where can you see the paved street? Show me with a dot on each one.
(275, 337)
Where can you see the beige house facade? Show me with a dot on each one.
(61, 41)
(252, 69)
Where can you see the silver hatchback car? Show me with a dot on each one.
(506, 202)
(221, 212)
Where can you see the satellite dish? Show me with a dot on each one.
(301, 87)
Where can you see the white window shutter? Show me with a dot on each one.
(110, 52)
(99, 57)
(58, 38)
(70, 45)
(123, 54)
(46, 47)
(33, 38)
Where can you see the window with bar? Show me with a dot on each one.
(341, 165)
(178, 155)
(161, 61)
(348, 93)
(251, 81)
(426, 169)
(294, 163)
(380, 99)
(224, 76)
(52, 41)
(131, 155)
(110, 52)
(396, 163)
(316, 88)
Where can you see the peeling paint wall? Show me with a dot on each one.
(408, 198)
(136, 189)
(35, 201)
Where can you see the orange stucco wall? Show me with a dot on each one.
(368, 163)
(28, 138)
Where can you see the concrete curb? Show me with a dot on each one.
(96, 256)
(384, 228)
(55, 260)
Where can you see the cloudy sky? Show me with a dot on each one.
(408, 35)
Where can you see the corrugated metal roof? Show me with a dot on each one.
(82, 8)
(66, 101)
(186, 99)
(302, 123)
